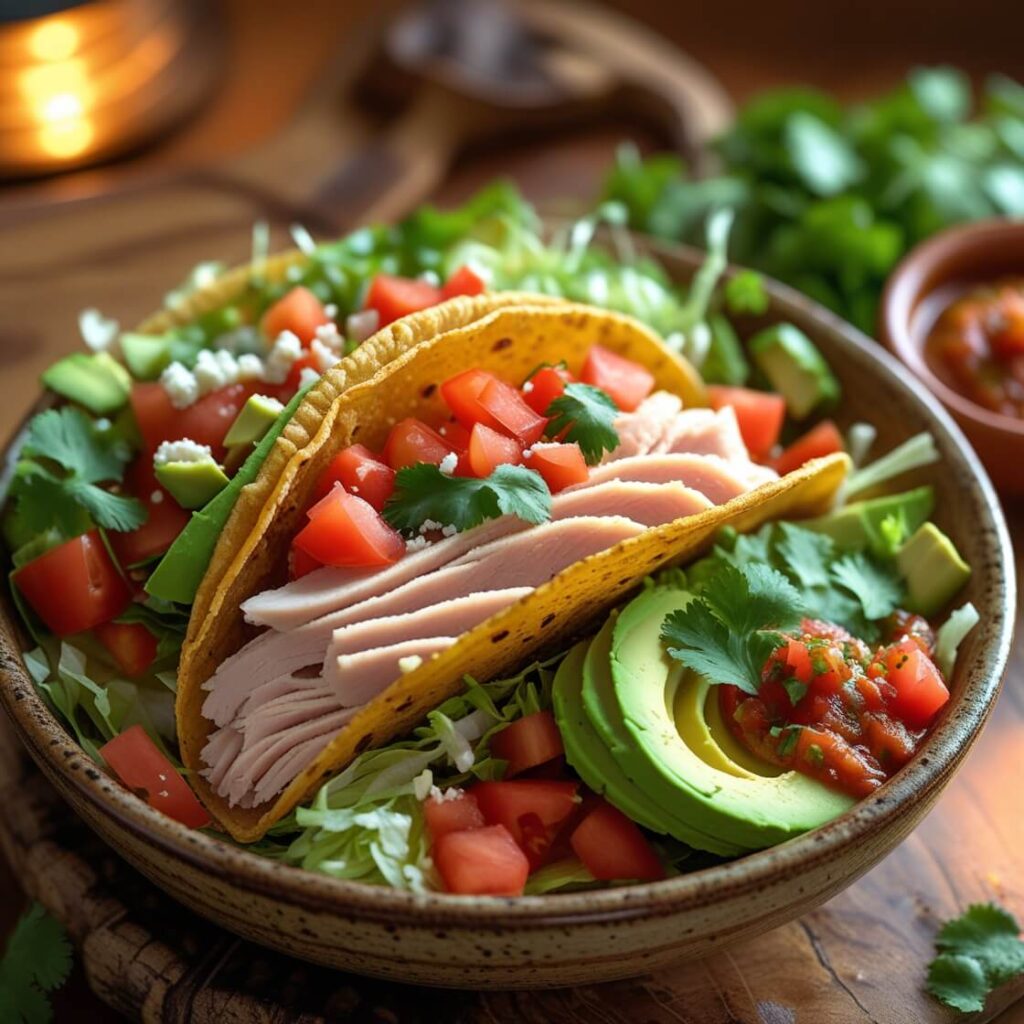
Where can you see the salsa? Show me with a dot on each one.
(831, 707)
(977, 346)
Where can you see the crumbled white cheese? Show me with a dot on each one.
(416, 544)
(448, 531)
(354, 489)
(448, 464)
(99, 333)
(527, 387)
(180, 384)
(444, 795)
(324, 355)
(428, 524)
(327, 335)
(308, 376)
(156, 497)
(283, 353)
(250, 367)
(409, 663)
(331, 309)
(528, 453)
(215, 370)
(185, 450)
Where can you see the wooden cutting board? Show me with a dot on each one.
(859, 959)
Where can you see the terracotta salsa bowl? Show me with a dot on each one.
(938, 269)
(542, 941)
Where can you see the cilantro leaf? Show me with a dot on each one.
(745, 293)
(587, 415)
(728, 632)
(876, 586)
(37, 961)
(978, 951)
(807, 554)
(111, 511)
(423, 493)
(69, 437)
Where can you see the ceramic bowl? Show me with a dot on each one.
(591, 936)
(971, 254)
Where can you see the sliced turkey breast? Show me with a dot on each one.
(647, 503)
(639, 431)
(359, 677)
(705, 432)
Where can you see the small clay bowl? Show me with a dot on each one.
(938, 268)
(565, 939)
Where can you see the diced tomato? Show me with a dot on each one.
(360, 472)
(481, 862)
(412, 441)
(298, 311)
(504, 803)
(300, 563)
(463, 281)
(626, 381)
(547, 384)
(528, 742)
(307, 361)
(759, 414)
(457, 812)
(824, 439)
(74, 586)
(613, 847)
(462, 394)
(154, 413)
(507, 408)
(920, 690)
(205, 421)
(798, 661)
(132, 646)
(395, 297)
(137, 761)
(345, 530)
(561, 465)
(165, 518)
(488, 449)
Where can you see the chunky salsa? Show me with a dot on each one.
(831, 707)
(977, 346)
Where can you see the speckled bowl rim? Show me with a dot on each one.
(919, 781)
(908, 285)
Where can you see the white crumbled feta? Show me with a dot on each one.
(354, 489)
(324, 355)
(327, 336)
(250, 367)
(409, 663)
(528, 453)
(444, 795)
(283, 353)
(100, 333)
(527, 387)
(215, 370)
(308, 376)
(449, 530)
(180, 384)
(422, 784)
(448, 463)
(331, 309)
(416, 544)
(428, 524)
(185, 450)
(156, 497)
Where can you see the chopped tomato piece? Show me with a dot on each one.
(547, 384)
(165, 518)
(395, 297)
(561, 465)
(508, 409)
(412, 441)
(300, 563)
(132, 646)
(505, 803)
(456, 811)
(920, 690)
(824, 439)
(74, 586)
(345, 530)
(462, 394)
(360, 472)
(307, 361)
(528, 742)
(137, 761)
(613, 847)
(481, 862)
(488, 449)
(626, 381)
(759, 414)
(463, 281)
(798, 661)
(298, 311)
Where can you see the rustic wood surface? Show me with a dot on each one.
(858, 959)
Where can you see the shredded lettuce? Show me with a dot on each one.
(914, 453)
(951, 634)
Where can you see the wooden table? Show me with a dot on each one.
(861, 957)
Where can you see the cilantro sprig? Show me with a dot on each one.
(978, 951)
(587, 415)
(728, 631)
(56, 485)
(36, 962)
(423, 493)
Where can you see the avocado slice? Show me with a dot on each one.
(147, 355)
(744, 812)
(192, 484)
(93, 379)
(179, 573)
(254, 419)
(795, 369)
(933, 569)
(858, 525)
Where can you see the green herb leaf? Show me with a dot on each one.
(587, 415)
(36, 962)
(423, 493)
(821, 157)
(876, 586)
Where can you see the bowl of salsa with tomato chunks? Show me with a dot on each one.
(953, 311)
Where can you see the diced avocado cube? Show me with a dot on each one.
(795, 369)
(933, 570)
(192, 484)
(725, 362)
(147, 355)
(859, 524)
(93, 379)
(254, 419)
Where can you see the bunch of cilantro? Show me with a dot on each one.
(828, 199)
(37, 961)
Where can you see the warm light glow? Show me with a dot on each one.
(40, 84)
(62, 107)
(66, 139)
(55, 39)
